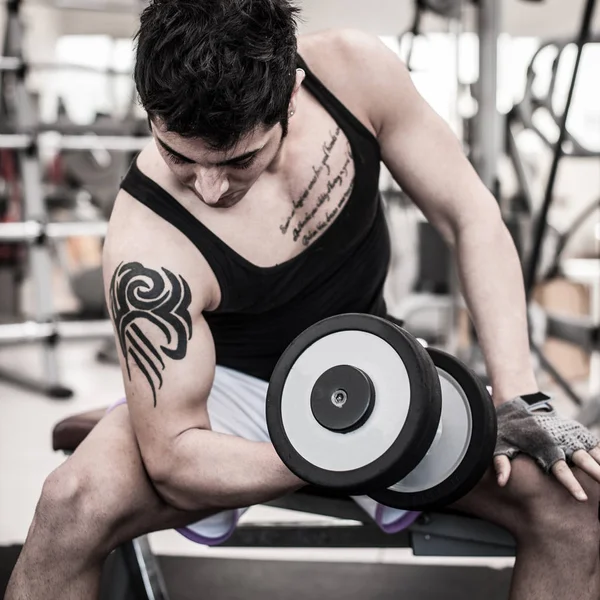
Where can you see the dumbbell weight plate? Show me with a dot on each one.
(463, 448)
(388, 412)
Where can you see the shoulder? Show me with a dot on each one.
(355, 66)
(131, 222)
(137, 236)
(339, 42)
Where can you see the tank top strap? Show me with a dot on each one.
(158, 200)
(333, 105)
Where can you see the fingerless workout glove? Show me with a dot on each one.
(539, 432)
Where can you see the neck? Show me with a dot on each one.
(279, 160)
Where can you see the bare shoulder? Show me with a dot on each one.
(140, 242)
(339, 41)
(355, 66)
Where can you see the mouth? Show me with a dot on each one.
(223, 202)
(226, 201)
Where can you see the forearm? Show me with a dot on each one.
(492, 283)
(214, 471)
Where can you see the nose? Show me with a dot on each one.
(211, 185)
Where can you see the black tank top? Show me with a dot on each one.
(263, 309)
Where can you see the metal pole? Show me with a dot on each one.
(103, 142)
(31, 331)
(12, 63)
(34, 231)
(22, 141)
(34, 207)
(15, 141)
(542, 221)
(486, 142)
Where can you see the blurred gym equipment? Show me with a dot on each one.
(23, 136)
(542, 246)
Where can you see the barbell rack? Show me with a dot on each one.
(22, 132)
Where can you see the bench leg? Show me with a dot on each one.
(137, 573)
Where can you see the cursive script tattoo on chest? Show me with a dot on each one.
(160, 299)
(340, 180)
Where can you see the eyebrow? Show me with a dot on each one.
(224, 163)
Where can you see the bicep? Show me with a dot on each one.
(165, 348)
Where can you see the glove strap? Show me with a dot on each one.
(538, 401)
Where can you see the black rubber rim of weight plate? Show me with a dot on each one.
(479, 455)
(413, 440)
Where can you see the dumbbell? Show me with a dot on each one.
(355, 404)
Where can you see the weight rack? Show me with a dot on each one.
(26, 139)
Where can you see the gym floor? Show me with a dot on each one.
(26, 458)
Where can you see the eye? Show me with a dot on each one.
(246, 164)
(174, 159)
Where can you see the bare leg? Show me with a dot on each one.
(557, 536)
(100, 497)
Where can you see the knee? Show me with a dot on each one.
(74, 509)
(58, 502)
(545, 510)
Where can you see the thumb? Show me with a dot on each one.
(503, 468)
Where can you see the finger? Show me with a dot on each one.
(502, 466)
(595, 453)
(565, 476)
(586, 463)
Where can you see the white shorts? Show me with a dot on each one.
(236, 406)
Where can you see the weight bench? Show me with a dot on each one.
(136, 570)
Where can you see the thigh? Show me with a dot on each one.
(110, 472)
(529, 496)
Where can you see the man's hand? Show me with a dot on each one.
(552, 441)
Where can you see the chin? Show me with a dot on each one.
(228, 202)
(224, 204)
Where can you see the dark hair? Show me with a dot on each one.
(217, 69)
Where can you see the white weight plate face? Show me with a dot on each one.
(450, 445)
(346, 451)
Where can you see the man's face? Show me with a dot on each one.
(220, 179)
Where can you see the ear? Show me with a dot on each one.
(300, 75)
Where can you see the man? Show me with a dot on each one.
(252, 215)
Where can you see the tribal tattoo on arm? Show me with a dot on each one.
(138, 294)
